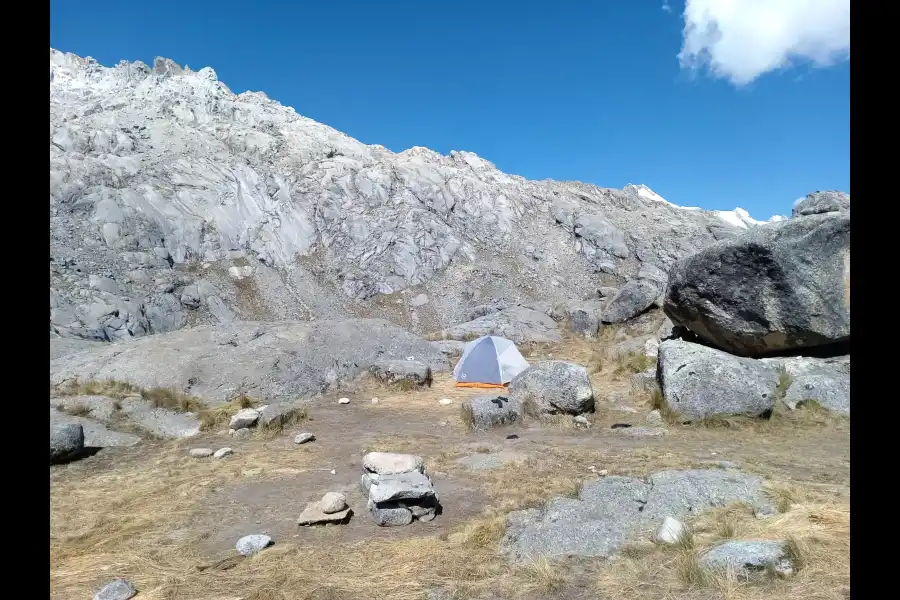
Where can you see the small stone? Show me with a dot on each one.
(582, 420)
(241, 434)
(374, 400)
(116, 590)
(201, 452)
(333, 472)
(669, 532)
(392, 517)
(302, 438)
(445, 401)
(344, 401)
(603, 473)
(222, 452)
(251, 544)
(654, 417)
(313, 515)
(333, 502)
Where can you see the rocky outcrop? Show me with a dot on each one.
(781, 287)
(519, 324)
(819, 203)
(486, 411)
(698, 382)
(66, 441)
(823, 381)
(264, 360)
(611, 511)
(175, 202)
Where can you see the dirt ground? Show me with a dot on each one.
(169, 522)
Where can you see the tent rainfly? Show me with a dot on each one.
(489, 362)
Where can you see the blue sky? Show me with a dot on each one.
(584, 90)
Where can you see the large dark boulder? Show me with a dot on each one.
(778, 287)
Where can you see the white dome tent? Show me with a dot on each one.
(489, 361)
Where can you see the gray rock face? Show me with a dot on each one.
(492, 411)
(450, 348)
(266, 360)
(156, 170)
(66, 442)
(581, 316)
(632, 299)
(519, 324)
(746, 557)
(611, 511)
(251, 544)
(782, 286)
(160, 422)
(395, 371)
(824, 381)
(552, 387)
(819, 203)
(119, 589)
(698, 382)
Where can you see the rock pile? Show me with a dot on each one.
(398, 489)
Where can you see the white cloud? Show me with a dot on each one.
(666, 7)
(740, 40)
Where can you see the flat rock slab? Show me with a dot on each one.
(612, 510)
(747, 557)
(314, 515)
(160, 422)
(824, 381)
(246, 417)
(390, 463)
(96, 435)
(641, 431)
(402, 486)
(278, 414)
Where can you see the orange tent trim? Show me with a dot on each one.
(480, 385)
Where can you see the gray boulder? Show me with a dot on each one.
(552, 387)
(400, 486)
(450, 348)
(519, 324)
(392, 517)
(264, 360)
(484, 412)
(96, 434)
(395, 371)
(824, 381)
(391, 463)
(778, 287)
(314, 514)
(632, 299)
(819, 203)
(698, 382)
(747, 557)
(611, 511)
(66, 442)
(119, 589)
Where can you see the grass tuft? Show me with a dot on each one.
(109, 387)
(171, 399)
(633, 362)
(76, 410)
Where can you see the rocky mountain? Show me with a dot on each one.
(175, 202)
